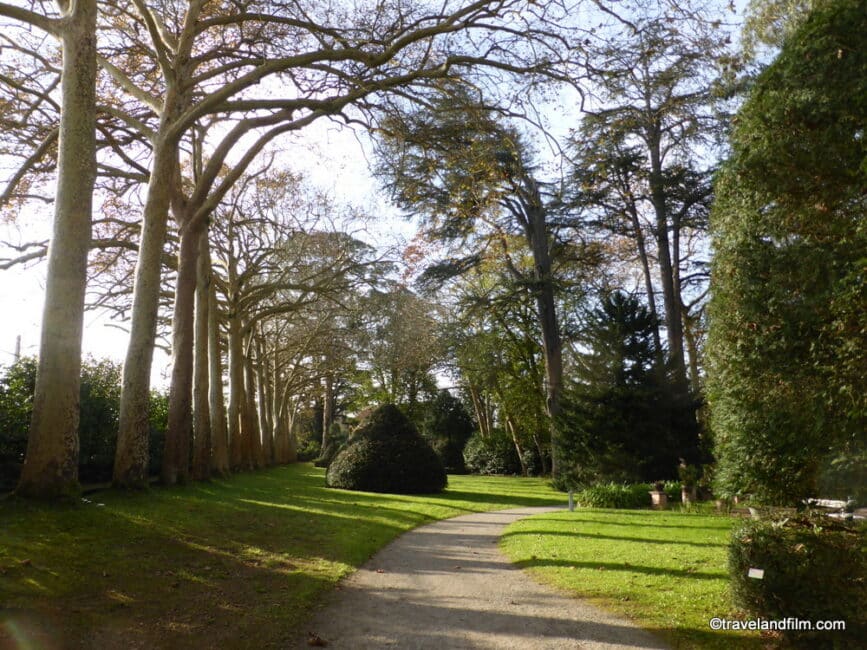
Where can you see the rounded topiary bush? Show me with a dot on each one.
(387, 454)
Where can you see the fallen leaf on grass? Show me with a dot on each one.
(316, 640)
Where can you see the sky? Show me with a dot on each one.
(341, 169)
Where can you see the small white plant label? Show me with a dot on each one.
(758, 574)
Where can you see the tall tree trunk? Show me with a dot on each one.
(327, 408)
(202, 432)
(176, 454)
(219, 426)
(250, 420)
(51, 462)
(670, 294)
(513, 431)
(237, 397)
(547, 313)
(265, 424)
(641, 244)
(131, 456)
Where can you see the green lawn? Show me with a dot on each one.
(664, 570)
(228, 564)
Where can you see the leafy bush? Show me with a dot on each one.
(614, 495)
(98, 420)
(448, 427)
(494, 454)
(309, 449)
(387, 454)
(328, 453)
(814, 569)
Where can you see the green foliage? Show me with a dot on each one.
(614, 495)
(98, 420)
(787, 383)
(448, 427)
(493, 454)
(387, 454)
(17, 385)
(814, 570)
(624, 420)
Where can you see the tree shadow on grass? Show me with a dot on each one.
(619, 538)
(621, 566)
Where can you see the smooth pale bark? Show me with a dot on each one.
(482, 409)
(219, 426)
(176, 454)
(250, 420)
(131, 456)
(641, 244)
(513, 431)
(237, 397)
(266, 425)
(202, 443)
(51, 463)
(327, 408)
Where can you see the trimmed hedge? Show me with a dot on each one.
(815, 569)
(387, 454)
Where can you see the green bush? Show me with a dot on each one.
(328, 453)
(815, 569)
(614, 495)
(494, 454)
(387, 454)
(98, 420)
(447, 427)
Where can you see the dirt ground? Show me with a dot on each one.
(448, 586)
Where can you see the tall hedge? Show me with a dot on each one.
(787, 376)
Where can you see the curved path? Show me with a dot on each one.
(447, 585)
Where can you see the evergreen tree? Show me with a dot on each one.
(624, 418)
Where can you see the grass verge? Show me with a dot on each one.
(234, 563)
(664, 570)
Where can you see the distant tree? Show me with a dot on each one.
(624, 419)
(470, 175)
(644, 159)
(448, 427)
(788, 372)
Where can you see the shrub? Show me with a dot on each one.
(614, 495)
(448, 427)
(814, 570)
(387, 454)
(494, 454)
(309, 449)
(328, 453)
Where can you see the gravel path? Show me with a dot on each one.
(447, 586)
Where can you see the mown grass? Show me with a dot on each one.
(234, 563)
(664, 570)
